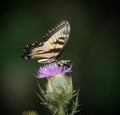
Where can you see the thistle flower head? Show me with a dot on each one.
(50, 70)
(59, 88)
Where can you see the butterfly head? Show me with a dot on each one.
(66, 63)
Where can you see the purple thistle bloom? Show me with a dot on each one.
(52, 69)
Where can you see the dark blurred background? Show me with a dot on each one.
(93, 48)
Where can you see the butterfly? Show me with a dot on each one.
(52, 46)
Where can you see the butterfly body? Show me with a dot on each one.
(52, 46)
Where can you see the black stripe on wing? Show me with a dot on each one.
(59, 43)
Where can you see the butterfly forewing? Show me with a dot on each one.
(50, 49)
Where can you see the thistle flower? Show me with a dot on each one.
(59, 90)
(52, 69)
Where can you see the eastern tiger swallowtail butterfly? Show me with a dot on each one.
(52, 45)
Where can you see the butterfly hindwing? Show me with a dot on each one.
(52, 46)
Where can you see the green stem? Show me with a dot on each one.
(61, 109)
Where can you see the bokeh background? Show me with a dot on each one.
(93, 48)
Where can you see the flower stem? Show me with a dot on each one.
(61, 109)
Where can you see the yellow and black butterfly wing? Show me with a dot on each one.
(52, 46)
